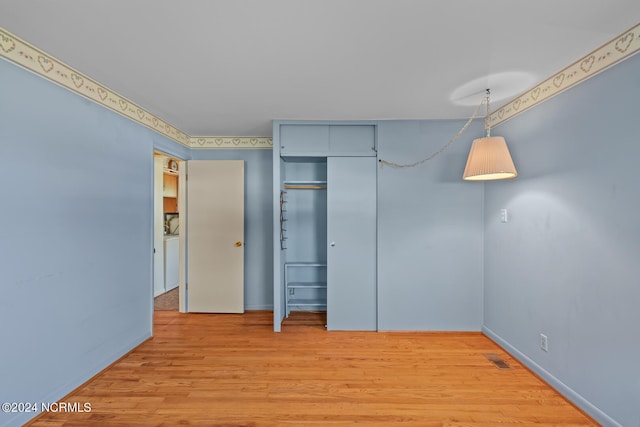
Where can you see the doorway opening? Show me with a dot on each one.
(166, 232)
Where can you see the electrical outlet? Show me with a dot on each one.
(544, 342)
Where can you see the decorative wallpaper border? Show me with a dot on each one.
(33, 59)
(231, 142)
(622, 47)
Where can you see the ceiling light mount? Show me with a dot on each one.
(504, 86)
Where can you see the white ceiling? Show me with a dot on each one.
(229, 67)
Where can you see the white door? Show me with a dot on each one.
(215, 236)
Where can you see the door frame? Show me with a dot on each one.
(182, 236)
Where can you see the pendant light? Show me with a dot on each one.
(489, 157)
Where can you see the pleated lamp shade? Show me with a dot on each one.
(489, 159)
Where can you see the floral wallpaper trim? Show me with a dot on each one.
(618, 49)
(231, 142)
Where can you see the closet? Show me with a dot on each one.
(325, 193)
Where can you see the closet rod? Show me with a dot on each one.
(305, 187)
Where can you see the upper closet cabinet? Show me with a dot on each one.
(304, 140)
(352, 140)
(327, 140)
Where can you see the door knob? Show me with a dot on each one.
(238, 244)
(332, 243)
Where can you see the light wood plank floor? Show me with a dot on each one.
(233, 370)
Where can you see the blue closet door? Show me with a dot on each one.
(351, 243)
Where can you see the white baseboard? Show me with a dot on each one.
(60, 392)
(259, 307)
(558, 385)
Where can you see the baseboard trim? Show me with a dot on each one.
(63, 392)
(575, 398)
(258, 307)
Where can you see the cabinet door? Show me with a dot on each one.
(351, 235)
(327, 140)
(304, 140)
(170, 185)
(352, 140)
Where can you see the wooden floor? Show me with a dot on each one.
(233, 370)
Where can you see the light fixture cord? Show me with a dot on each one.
(487, 126)
(444, 147)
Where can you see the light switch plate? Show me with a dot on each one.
(504, 215)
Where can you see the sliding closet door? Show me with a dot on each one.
(351, 235)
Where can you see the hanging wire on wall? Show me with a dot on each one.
(484, 101)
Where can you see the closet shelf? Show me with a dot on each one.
(307, 303)
(305, 293)
(305, 185)
(305, 264)
(307, 285)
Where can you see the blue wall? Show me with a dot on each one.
(258, 222)
(76, 238)
(429, 229)
(566, 264)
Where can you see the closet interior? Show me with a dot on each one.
(303, 233)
